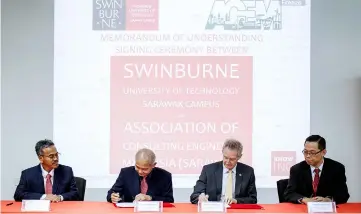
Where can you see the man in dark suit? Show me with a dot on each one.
(227, 180)
(317, 178)
(142, 182)
(49, 180)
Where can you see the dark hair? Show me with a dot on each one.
(42, 144)
(317, 139)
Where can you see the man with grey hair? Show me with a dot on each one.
(49, 180)
(228, 180)
(142, 182)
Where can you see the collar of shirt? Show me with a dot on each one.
(45, 173)
(225, 170)
(320, 167)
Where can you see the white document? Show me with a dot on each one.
(35, 206)
(212, 206)
(125, 204)
(321, 207)
(148, 206)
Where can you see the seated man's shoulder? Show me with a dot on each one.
(299, 166)
(162, 172)
(64, 168)
(245, 167)
(213, 166)
(127, 170)
(31, 169)
(334, 163)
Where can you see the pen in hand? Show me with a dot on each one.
(115, 198)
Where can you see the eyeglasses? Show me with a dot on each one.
(229, 159)
(52, 156)
(305, 153)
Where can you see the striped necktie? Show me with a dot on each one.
(144, 186)
(316, 180)
(48, 185)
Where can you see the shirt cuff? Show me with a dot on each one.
(61, 198)
(300, 200)
(43, 197)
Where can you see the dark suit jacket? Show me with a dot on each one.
(160, 186)
(210, 183)
(332, 182)
(31, 185)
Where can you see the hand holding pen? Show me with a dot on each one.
(115, 198)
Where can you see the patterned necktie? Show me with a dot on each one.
(48, 185)
(316, 180)
(229, 187)
(144, 186)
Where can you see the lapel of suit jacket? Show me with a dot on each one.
(136, 183)
(218, 173)
(150, 178)
(307, 175)
(41, 179)
(56, 180)
(323, 177)
(239, 179)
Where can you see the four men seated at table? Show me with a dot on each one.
(228, 180)
(49, 180)
(317, 178)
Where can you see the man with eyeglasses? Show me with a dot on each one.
(142, 182)
(317, 179)
(228, 180)
(49, 180)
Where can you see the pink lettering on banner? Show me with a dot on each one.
(182, 107)
(142, 14)
(281, 162)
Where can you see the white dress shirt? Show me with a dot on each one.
(225, 179)
(313, 171)
(44, 174)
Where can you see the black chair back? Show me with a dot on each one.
(281, 187)
(81, 185)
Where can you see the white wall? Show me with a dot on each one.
(0, 96)
(27, 88)
(336, 83)
(26, 84)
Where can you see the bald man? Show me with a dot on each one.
(142, 182)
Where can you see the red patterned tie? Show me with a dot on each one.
(48, 185)
(316, 180)
(144, 186)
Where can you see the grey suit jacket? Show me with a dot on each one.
(210, 183)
